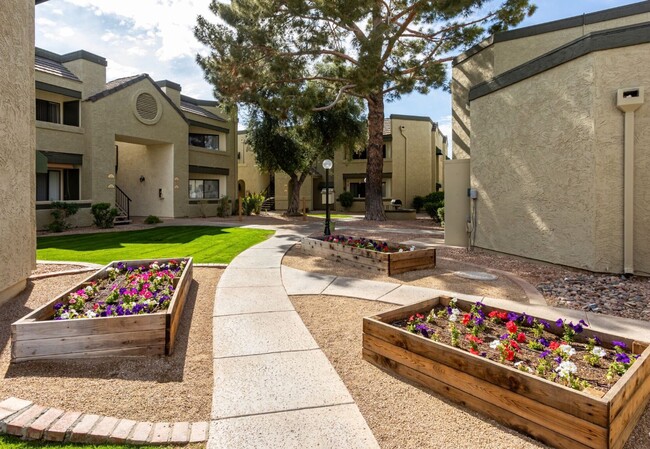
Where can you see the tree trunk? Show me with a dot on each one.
(294, 201)
(375, 160)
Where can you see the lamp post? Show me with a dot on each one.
(327, 164)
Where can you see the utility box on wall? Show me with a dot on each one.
(456, 201)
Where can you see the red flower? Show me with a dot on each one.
(473, 351)
(466, 319)
(512, 327)
(510, 355)
(419, 316)
(521, 338)
(493, 314)
(553, 345)
(503, 315)
(514, 345)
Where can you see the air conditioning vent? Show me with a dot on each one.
(146, 106)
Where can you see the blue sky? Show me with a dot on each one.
(155, 37)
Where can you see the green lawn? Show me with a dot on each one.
(9, 442)
(319, 215)
(207, 244)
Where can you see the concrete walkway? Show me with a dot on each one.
(273, 386)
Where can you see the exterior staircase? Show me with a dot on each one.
(268, 204)
(123, 206)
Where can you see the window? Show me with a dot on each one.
(48, 111)
(203, 188)
(209, 141)
(71, 113)
(57, 185)
(358, 189)
(364, 154)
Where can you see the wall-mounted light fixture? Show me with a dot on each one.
(141, 178)
(110, 186)
(111, 176)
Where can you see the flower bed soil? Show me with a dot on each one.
(114, 312)
(371, 255)
(601, 416)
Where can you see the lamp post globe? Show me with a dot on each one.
(327, 164)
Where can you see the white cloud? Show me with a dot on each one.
(66, 32)
(137, 51)
(116, 70)
(43, 22)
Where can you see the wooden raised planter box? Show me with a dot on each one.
(550, 412)
(373, 261)
(36, 336)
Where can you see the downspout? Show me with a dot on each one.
(406, 141)
(629, 100)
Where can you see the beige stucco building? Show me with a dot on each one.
(133, 141)
(414, 151)
(560, 172)
(17, 228)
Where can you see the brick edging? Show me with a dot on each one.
(30, 421)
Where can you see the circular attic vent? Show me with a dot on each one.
(146, 106)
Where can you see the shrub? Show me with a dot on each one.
(346, 199)
(441, 214)
(103, 214)
(252, 203)
(61, 212)
(432, 210)
(418, 203)
(223, 208)
(152, 219)
(435, 197)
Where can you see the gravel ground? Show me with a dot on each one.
(47, 268)
(624, 296)
(441, 277)
(401, 414)
(175, 388)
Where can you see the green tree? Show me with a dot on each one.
(294, 144)
(375, 50)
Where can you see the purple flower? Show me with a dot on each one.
(512, 316)
(424, 330)
(558, 359)
(577, 328)
(559, 322)
(620, 344)
(530, 320)
(504, 337)
(621, 357)
(120, 265)
(545, 324)
(122, 291)
(582, 322)
(544, 354)
(544, 341)
(58, 305)
(478, 321)
(480, 313)
(483, 354)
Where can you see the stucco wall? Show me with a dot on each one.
(17, 196)
(510, 54)
(112, 120)
(615, 69)
(548, 152)
(154, 163)
(466, 74)
(247, 171)
(502, 56)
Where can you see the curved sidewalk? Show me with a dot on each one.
(273, 386)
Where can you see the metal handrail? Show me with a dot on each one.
(123, 202)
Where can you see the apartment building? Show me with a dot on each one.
(414, 152)
(550, 127)
(132, 141)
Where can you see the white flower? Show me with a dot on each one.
(65, 316)
(567, 350)
(522, 367)
(88, 290)
(412, 247)
(401, 250)
(453, 317)
(90, 314)
(598, 351)
(455, 311)
(494, 344)
(566, 368)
